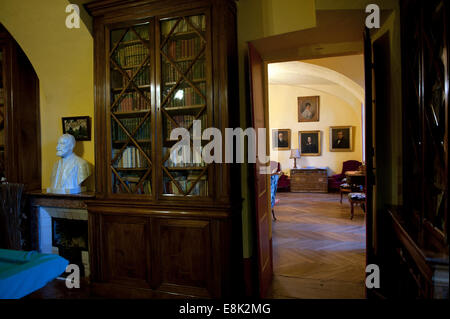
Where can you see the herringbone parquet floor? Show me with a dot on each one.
(318, 252)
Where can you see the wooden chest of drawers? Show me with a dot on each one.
(309, 180)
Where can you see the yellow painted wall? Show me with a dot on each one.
(63, 61)
(283, 114)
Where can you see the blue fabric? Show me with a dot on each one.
(273, 187)
(22, 272)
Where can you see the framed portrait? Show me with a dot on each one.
(341, 138)
(309, 143)
(308, 108)
(281, 139)
(78, 126)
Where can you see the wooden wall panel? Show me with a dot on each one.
(125, 248)
(184, 253)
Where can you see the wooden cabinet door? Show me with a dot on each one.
(262, 191)
(184, 259)
(126, 250)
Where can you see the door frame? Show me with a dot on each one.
(266, 62)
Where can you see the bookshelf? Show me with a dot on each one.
(183, 100)
(130, 110)
(161, 65)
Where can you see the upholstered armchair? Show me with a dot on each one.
(336, 180)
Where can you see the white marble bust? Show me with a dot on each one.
(70, 171)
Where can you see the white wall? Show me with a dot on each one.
(334, 111)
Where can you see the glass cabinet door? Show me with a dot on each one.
(130, 109)
(435, 114)
(183, 100)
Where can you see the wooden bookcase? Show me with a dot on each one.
(20, 143)
(161, 224)
(413, 246)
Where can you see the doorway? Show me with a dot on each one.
(318, 250)
(303, 48)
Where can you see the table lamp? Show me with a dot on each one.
(295, 153)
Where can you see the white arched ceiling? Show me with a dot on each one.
(316, 77)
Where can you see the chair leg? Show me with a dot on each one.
(273, 215)
(351, 210)
(341, 196)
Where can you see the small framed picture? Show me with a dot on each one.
(341, 139)
(78, 126)
(281, 139)
(309, 143)
(308, 108)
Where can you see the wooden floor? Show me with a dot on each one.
(57, 289)
(318, 252)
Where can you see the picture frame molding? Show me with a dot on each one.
(88, 121)
(319, 140)
(315, 119)
(330, 138)
(289, 140)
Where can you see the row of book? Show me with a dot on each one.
(180, 158)
(143, 133)
(130, 55)
(188, 96)
(184, 48)
(183, 121)
(132, 182)
(198, 21)
(131, 157)
(118, 81)
(132, 101)
(200, 187)
(171, 75)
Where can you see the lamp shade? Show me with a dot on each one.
(295, 153)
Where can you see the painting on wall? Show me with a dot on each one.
(281, 139)
(308, 108)
(309, 142)
(78, 126)
(341, 138)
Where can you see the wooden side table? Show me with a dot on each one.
(356, 178)
(306, 180)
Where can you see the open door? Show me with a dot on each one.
(263, 219)
(369, 148)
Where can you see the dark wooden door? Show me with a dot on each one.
(369, 148)
(256, 65)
